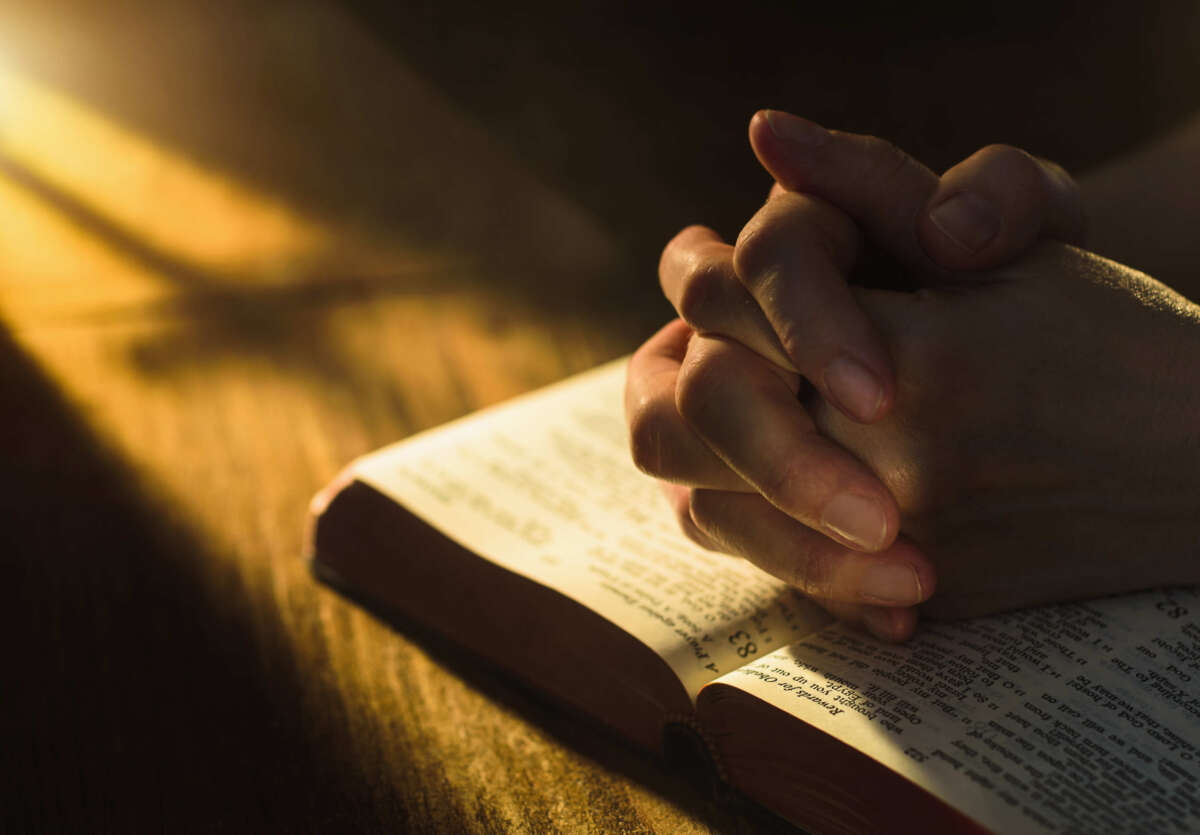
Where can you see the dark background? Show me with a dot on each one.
(641, 108)
(172, 664)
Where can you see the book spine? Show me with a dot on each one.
(689, 750)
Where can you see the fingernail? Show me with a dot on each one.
(892, 584)
(791, 128)
(854, 388)
(857, 519)
(967, 219)
(879, 623)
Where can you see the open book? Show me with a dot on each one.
(524, 533)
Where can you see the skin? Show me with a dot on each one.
(998, 449)
(1143, 208)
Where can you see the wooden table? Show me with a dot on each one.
(241, 244)
(221, 281)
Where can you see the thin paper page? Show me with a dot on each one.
(1080, 718)
(544, 486)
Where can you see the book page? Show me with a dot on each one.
(1080, 718)
(544, 486)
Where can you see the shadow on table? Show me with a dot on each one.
(140, 691)
(300, 107)
(221, 315)
(144, 691)
(683, 774)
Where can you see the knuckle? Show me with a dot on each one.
(756, 248)
(680, 248)
(701, 379)
(794, 477)
(769, 240)
(701, 287)
(648, 429)
(778, 483)
(684, 238)
(1011, 165)
(636, 362)
(883, 161)
(814, 575)
(832, 233)
(792, 229)
(1002, 154)
(668, 254)
(792, 335)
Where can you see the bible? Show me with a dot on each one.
(525, 534)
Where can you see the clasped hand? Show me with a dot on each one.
(1018, 429)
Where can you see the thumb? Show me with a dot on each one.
(986, 211)
(994, 205)
(880, 186)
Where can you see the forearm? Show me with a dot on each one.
(1144, 209)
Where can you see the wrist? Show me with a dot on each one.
(1174, 426)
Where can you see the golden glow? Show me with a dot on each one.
(97, 216)
(173, 203)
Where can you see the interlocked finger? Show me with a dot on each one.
(697, 277)
(750, 417)
(829, 573)
(662, 442)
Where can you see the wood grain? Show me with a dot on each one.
(189, 355)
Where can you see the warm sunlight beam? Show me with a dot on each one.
(171, 202)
